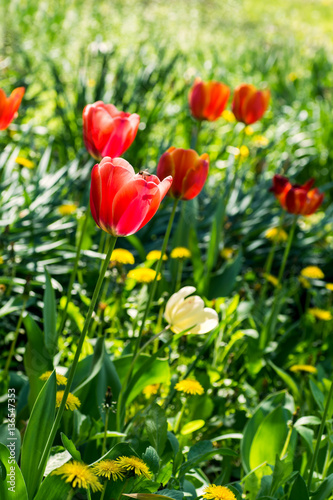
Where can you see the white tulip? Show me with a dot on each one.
(182, 313)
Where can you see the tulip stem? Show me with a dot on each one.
(287, 250)
(85, 329)
(74, 272)
(270, 259)
(195, 134)
(319, 436)
(158, 270)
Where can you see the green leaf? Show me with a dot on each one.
(309, 420)
(299, 490)
(53, 488)
(223, 281)
(157, 427)
(37, 359)
(12, 305)
(318, 395)
(306, 434)
(152, 459)
(324, 490)
(10, 472)
(190, 464)
(281, 473)
(175, 494)
(287, 379)
(192, 426)
(269, 438)
(215, 234)
(70, 447)
(6, 434)
(50, 316)
(147, 496)
(96, 366)
(36, 435)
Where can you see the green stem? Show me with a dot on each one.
(104, 490)
(287, 250)
(179, 419)
(270, 259)
(88, 494)
(86, 327)
(12, 347)
(195, 134)
(73, 274)
(179, 274)
(107, 409)
(154, 283)
(319, 436)
(286, 444)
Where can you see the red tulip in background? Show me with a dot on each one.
(249, 104)
(188, 169)
(9, 106)
(296, 199)
(107, 131)
(121, 201)
(208, 100)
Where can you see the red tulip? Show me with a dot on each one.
(188, 169)
(249, 104)
(107, 131)
(121, 201)
(208, 100)
(9, 106)
(296, 199)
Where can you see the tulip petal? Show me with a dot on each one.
(175, 299)
(211, 320)
(163, 188)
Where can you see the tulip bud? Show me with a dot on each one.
(9, 106)
(208, 100)
(107, 131)
(249, 104)
(296, 199)
(189, 313)
(188, 169)
(121, 201)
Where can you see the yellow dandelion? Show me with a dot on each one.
(180, 253)
(61, 379)
(249, 130)
(135, 464)
(143, 275)
(151, 390)
(2, 288)
(67, 209)
(320, 314)
(72, 402)
(292, 76)
(24, 162)
(79, 475)
(228, 116)
(1, 260)
(91, 82)
(156, 255)
(189, 386)
(312, 272)
(122, 256)
(260, 141)
(272, 279)
(276, 234)
(227, 253)
(213, 492)
(303, 368)
(243, 152)
(304, 282)
(329, 286)
(109, 469)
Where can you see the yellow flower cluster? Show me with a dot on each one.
(276, 234)
(321, 314)
(61, 379)
(243, 152)
(72, 402)
(143, 275)
(260, 141)
(180, 253)
(227, 253)
(272, 279)
(67, 209)
(190, 386)
(329, 286)
(228, 116)
(156, 255)
(213, 492)
(135, 464)
(122, 256)
(151, 390)
(79, 474)
(109, 469)
(312, 272)
(303, 368)
(24, 162)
